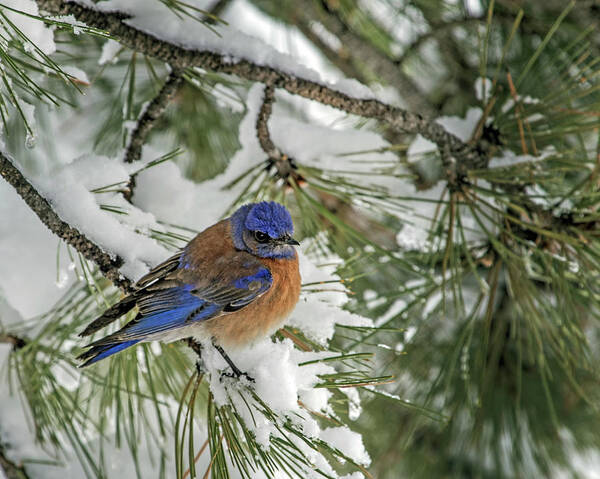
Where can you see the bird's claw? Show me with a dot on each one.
(200, 368)
(237, 374)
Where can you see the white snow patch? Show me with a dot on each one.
(347, 441)
(34, 30)
(77, 73)
(483, 89)
(109, 52)
(396, 308)
(28, 251)
(462, 127)
(418, 147)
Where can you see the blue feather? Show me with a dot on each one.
(263, 275)
(271, 218)
(267, 216)
(100, 352)
(173, 310)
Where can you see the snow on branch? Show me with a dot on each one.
(108, 264)
(233, 53)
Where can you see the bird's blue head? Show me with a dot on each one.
(264, 229)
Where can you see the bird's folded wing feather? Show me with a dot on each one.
(172, 296)
(119, 309)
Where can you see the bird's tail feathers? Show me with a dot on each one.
(103, 350)
(110, 315)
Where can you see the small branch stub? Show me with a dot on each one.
(16, 341)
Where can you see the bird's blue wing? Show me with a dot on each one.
(168, 309)
(171, 308)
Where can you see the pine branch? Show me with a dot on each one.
(230, 422)
(457, 156)
(108, 265)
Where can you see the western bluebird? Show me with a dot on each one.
(234, 282)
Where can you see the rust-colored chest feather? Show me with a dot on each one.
(264, 315)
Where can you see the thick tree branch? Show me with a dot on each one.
(108, 265)
(457, 154)
(357, 57)
(153, 112)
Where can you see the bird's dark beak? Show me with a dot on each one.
(292, 241)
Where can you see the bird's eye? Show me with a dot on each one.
(261, 237)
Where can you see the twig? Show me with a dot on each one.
(152, 113)
(108, 265)
(465, 157)
(262, 127)
(16, 341)
(434, 31)
(146, 122)
(10, 469)
(284, 164)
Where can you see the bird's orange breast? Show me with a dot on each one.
(263, 316)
